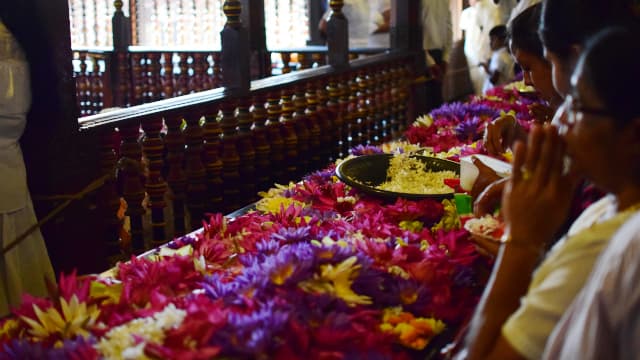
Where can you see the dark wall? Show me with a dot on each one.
(54, 153)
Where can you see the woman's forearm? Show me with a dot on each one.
(509, 282)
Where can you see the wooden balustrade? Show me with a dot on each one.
(179, 160)
(143, 75)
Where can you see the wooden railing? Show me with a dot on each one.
(150, 74)
(180, 158)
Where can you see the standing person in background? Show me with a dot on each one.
(23, 268)
(368, 22)
(500, 67)
(476, 21)
(437, 38)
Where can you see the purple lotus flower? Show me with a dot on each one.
(366, 150)
(468, 130)
(292, 235)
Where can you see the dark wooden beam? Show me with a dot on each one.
(253, 19)
(316, 8)
(406, 34)
(235, 51)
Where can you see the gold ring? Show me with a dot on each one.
(526, 174)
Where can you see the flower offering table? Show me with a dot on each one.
(314, 270)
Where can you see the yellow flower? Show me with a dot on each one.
(336, 281)
(273, 205)
(281, 275)
(74, 320)
(410, 331)
(414, 226)
(424, 120)
(8, 328)
(398, 271)
(450, 220)
(111, 292)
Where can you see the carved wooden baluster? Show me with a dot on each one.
(261, 143)
(230, 156)
(345, 92)
(155, 185)
(198, 72)
(97, 88)
(318, 154)
(319, 59)
(207, 72)
(276, 141)
(136, 71)
(289, 134)
(378, 114)
(373, 137)
(123, 94)
(333, 108)
(196, 173)
(133, 190)
(306, 145)
(154, 78)
(325, 122)
(387, 103)
(217, 71)
(213, 163)
(363, 109)
(183, 77)
(108, 199)
(305, 61)
(145, 79)
(403, 96)
(83, 86)
(286, 59)
(175, 143)
(353, 118)
(395, 99)
(168, 85)
(247, 152)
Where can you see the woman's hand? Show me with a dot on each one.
(486, 176)
(537, 198)
(501, 133)
(541, 113)
(489, 199)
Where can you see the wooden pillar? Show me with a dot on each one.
(338, 36)
(120, 81)
(235, 51)
(253, 19)
(316, 10)
(406, 34)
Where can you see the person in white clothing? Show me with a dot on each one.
(500, 68)
(437, 40)
(476, 21)
(603, 321)
(23, 267)
(368, 22)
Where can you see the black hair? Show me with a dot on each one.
(605, 55)
(499, 31)
(565, 23)
(523, 31)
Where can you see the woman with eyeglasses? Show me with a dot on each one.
(603, 322)
(531, 285)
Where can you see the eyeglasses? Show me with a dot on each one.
(573, 107)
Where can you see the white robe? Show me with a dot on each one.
(22, 269)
